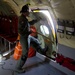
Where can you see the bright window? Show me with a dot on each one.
(44, 30)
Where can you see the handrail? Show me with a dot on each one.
(45, 37)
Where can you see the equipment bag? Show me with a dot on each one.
(18, 51)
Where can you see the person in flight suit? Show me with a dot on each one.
(23, 30)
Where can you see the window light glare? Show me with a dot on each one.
(44, 30)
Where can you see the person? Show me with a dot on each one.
(37, 44)
(23, 30)
(33, 37)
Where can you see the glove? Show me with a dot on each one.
(35, 20)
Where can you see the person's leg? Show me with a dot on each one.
(22, 60)
(37, 44)
(31, 38)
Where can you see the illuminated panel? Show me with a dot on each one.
(36, 11)
(46, 13)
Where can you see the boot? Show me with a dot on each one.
(45, 50)
(20, 64)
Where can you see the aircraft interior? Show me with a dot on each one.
(55, 28)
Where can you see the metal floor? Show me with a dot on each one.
(33, 66)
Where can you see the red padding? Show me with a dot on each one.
(31, 52)
(69, 63)
(34, 31)
(60, 59)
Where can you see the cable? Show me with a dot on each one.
(45, 37)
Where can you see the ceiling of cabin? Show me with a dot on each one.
(63, 9)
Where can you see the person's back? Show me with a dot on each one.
(23, 25)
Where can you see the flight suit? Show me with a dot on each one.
(23, 30)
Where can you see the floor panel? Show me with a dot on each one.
(33, 66)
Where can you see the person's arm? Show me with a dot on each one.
(33, 22)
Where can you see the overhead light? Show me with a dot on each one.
(36, 11)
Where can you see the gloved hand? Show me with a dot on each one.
(34, 20)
